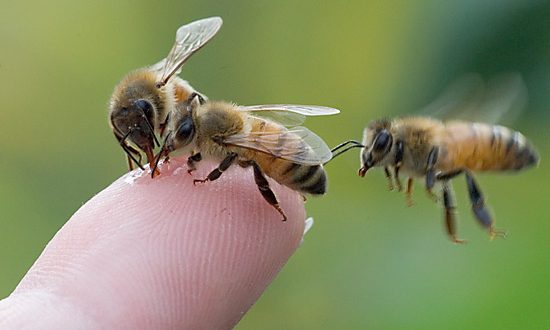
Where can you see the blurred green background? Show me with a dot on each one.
(369, 261)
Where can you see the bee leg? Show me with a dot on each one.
(449, 175)
(130, 152)
(479, 209)
(155, 171)
(389, 177)
(400, 150)
(130, 164)
(450, 219)
(131, 159)
(217, 172)
(410, 201)
(397, 180)
(164, 152)
(265, 190)
(430, 172)
(191, 160)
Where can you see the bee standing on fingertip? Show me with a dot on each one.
(251, 136)
(143, 101)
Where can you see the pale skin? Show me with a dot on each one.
(160, 253)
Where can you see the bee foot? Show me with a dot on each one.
(280, 210)
(399, 186)
(458, 240)
(494, 233)
(432, 196)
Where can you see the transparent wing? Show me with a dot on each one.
(158, 67)
(306, 110)
(288, 114)
(297, 144)
(285, 118)
(505, 99)
(471, 98)
(189, 39)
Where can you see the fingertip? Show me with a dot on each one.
(170, 252)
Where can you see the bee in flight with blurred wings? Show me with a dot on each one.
(251, 136)
(437, 151)
(143, 101)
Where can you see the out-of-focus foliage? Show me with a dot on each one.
(369, 261)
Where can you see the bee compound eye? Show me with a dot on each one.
(382, 141)
(185, 130)
(145, 106)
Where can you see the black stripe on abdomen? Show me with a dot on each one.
(310, 179)
(319, 185)
(303, 173)
(512, 142)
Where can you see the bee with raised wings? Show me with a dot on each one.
(437, 151)
(252, 136)
(142, 102)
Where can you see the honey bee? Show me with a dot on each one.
(142, 102)
(437, 151)
(252, 136)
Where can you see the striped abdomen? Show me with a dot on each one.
(304, 178)
(483, 147)
(310, 179)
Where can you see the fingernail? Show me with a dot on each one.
(308, 224)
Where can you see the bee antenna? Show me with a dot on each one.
(343, 144)
(127, 151)
(343, 147)
(159, 156)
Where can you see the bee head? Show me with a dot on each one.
(378, 142)
(180, 134)
(182, 130)
(133, 122)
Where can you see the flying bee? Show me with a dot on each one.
(437, 151)
(427, 148)
(252, 136)
(143, 100)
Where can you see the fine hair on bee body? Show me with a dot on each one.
(143, 101)
(251, 136)
(423, 147)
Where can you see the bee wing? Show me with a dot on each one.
(472, 98)
(296, 144)
(306, 110)
(288, 114)
(189, 39)
(284, 118)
